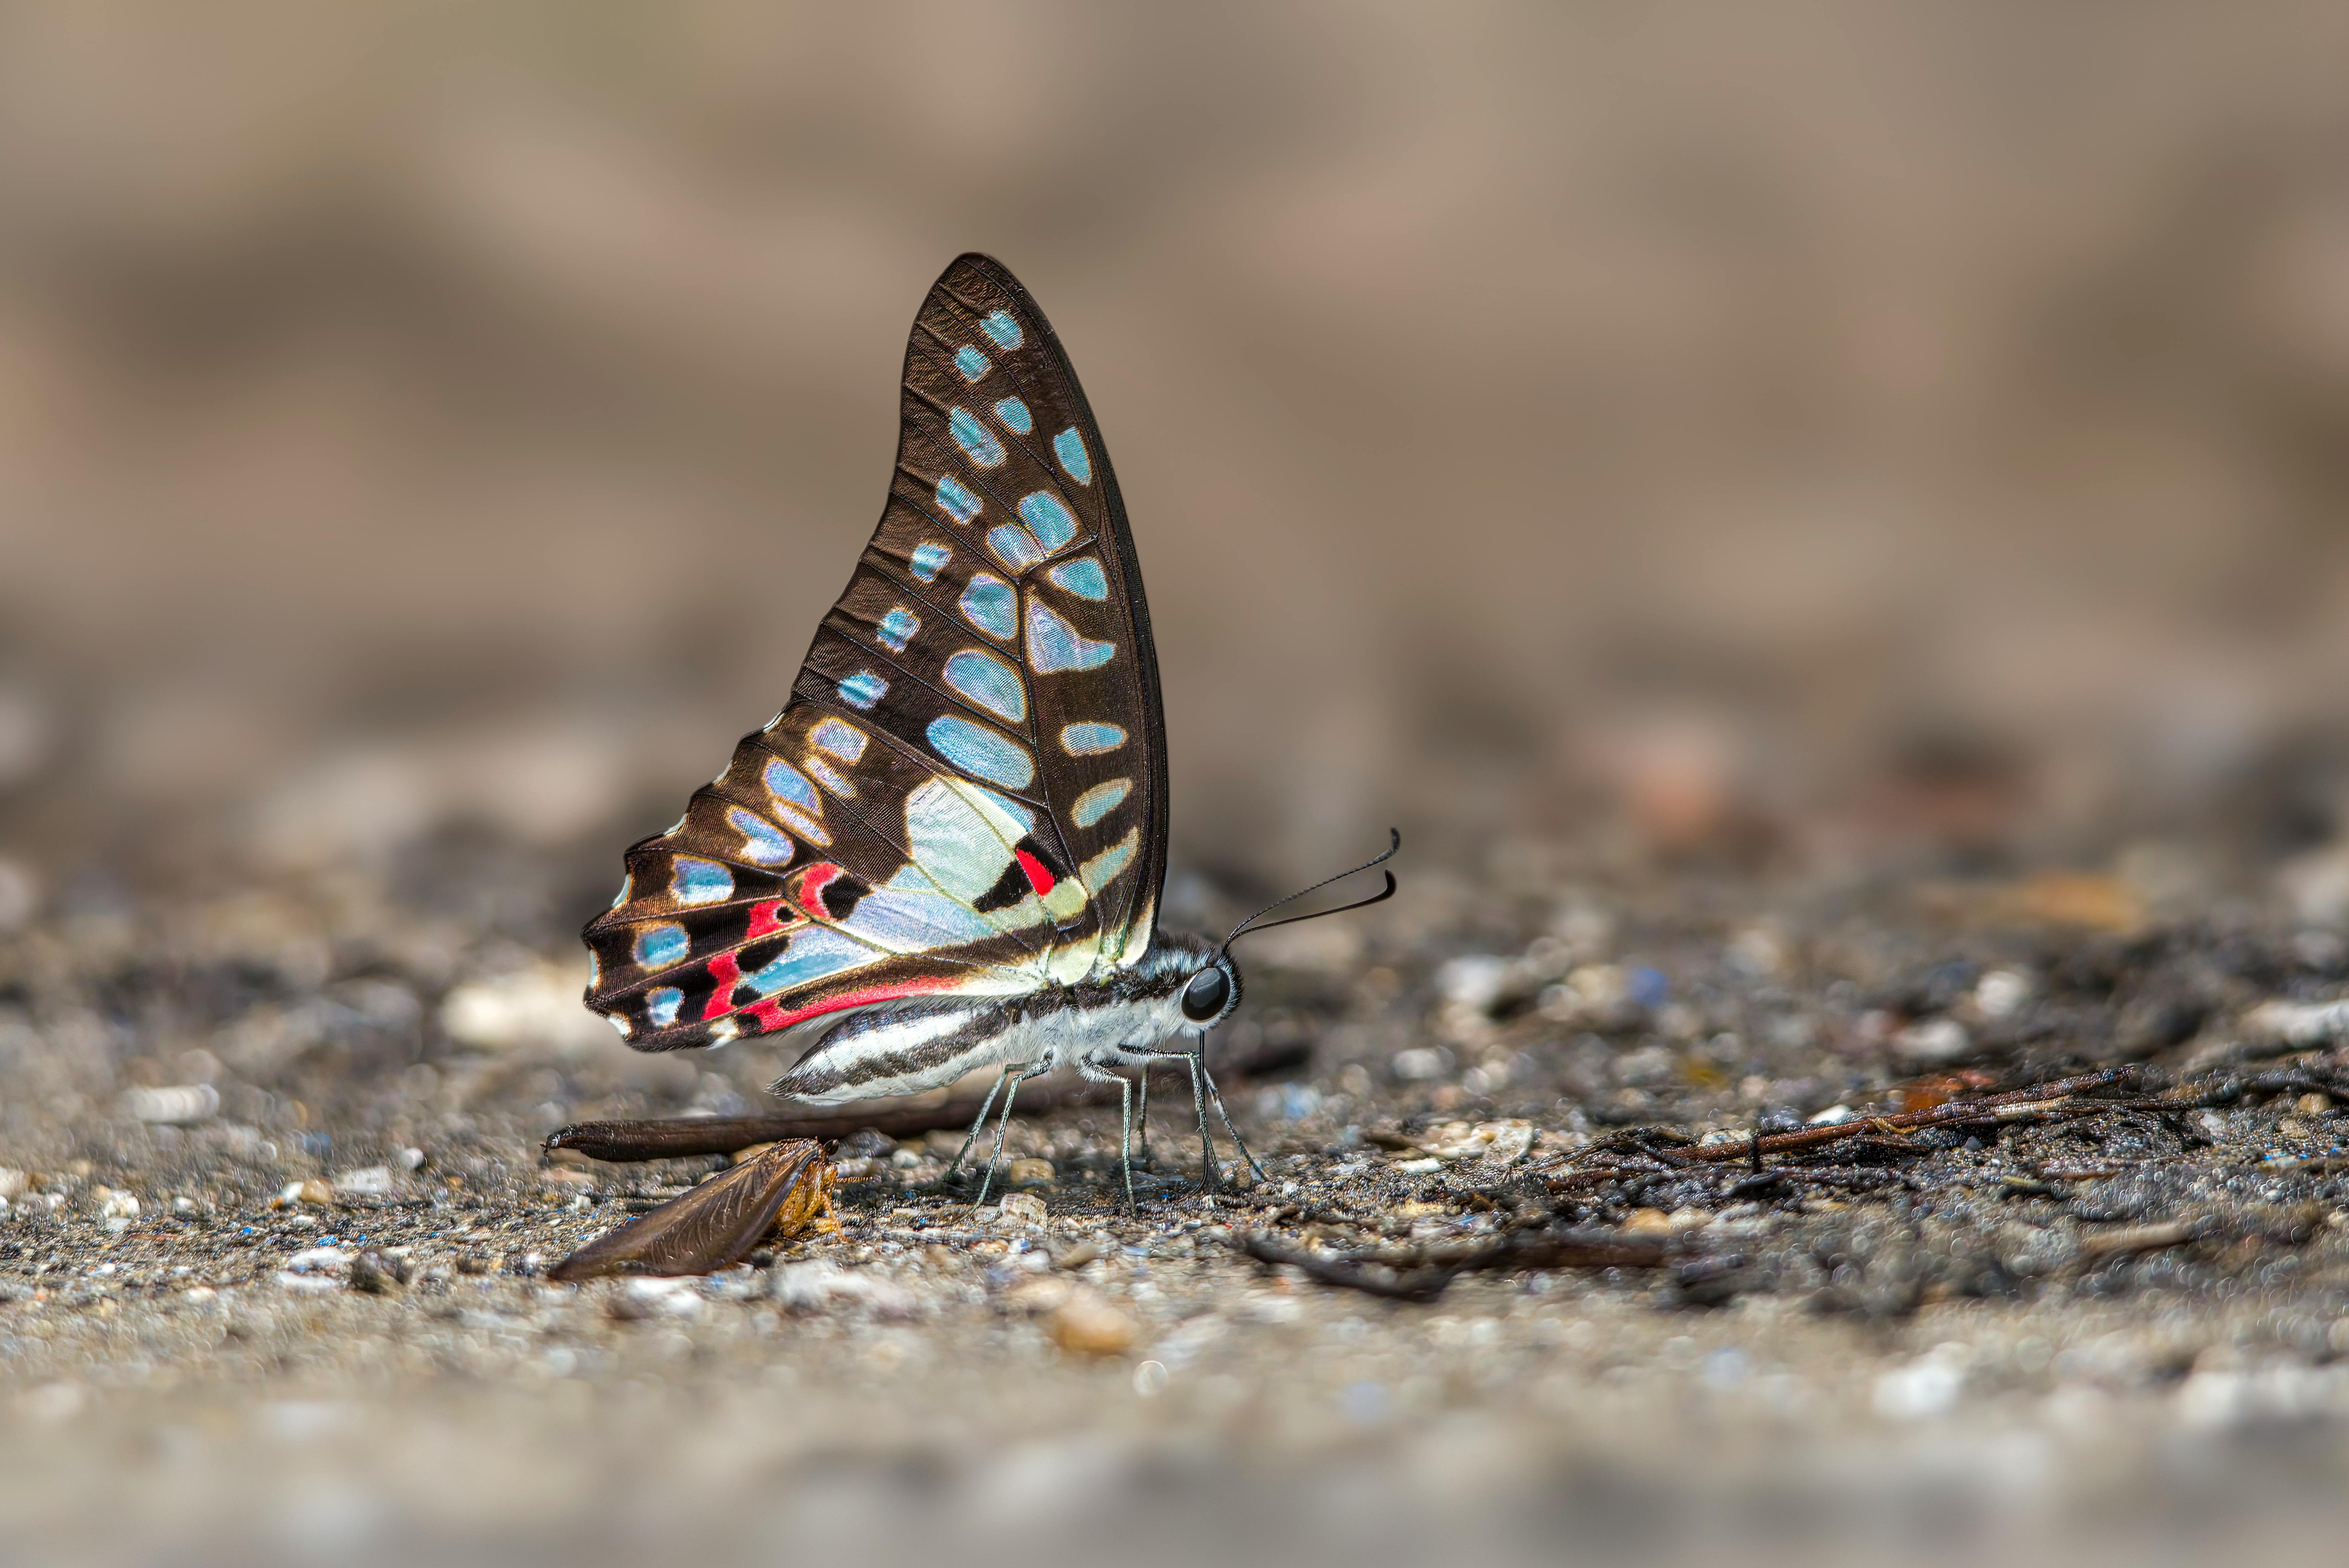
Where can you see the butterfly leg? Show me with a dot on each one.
(1143, 1114)
(1211, 1177)
(1097, 1073)
(972, 1136)
(1012, 1078)
(1237, 1140)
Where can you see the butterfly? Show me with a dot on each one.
(947, 851)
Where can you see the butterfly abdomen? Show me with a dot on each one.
(899, 1051)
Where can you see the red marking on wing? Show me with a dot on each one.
(729, 974)
(765, 920)
(771, 1014)
(1039, 875)
(809, 895)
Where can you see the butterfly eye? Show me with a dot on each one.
(1204, 997)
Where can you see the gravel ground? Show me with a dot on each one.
(271, 1270)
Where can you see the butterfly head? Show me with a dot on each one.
(1211, 992)
(1204, 981)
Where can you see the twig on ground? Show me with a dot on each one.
(2226, 1089)
(1422, 1274)
(2109, 1244)
(1372, 1279)
(2015, 1104)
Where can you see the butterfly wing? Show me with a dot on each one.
(967, 793)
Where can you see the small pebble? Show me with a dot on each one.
(640, 1299)
(1029, 1173)
(1047, 1293)
(1927, 1386)
(1932, 1042)
(377, 1274)
(1085, 1325)
(53, 1403)
(176, 1105)
(1021, 1209)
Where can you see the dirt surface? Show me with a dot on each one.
(272, 1267)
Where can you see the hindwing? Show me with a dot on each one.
(967, 791)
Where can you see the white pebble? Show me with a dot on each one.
(1422, 1064)
(319, 1260)
(1928, 1386)
(174, 1105)
(1998, 994)
(1932, 1042)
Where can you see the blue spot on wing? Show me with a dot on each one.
(906, 918)
(897, 628)
(1042, 511)
(972, 363)
(930, 557)
(1053, 645)
(978, 443)
(980, 751)
(761, 844)
(1099, 801)
(789, 785)
(1069, 447)
(829, 777)
(844, 741)
(990, 683)
(1015, 416)
(1014, 546)
(660, 945)
(694, 880)
(1098, 871)
(1000, 325)
(863, 689)
(1083, 577)
(960, 501)
(990, 604)
(1088, 739)
(662, 1005)
(813, 955)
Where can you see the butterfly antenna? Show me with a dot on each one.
(1250, 925)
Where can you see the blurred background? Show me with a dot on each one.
(1869, 442)
(1765, 431)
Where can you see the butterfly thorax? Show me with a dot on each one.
(1116, 1016)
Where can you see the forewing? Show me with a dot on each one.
(967, 792)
